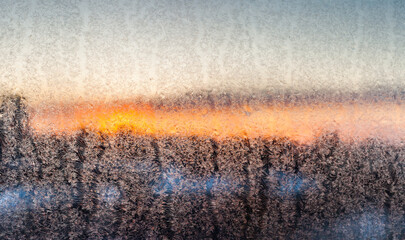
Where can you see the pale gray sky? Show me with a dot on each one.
(80, 50)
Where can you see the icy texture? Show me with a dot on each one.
(102, 49)
(219, 56)
(90, 185)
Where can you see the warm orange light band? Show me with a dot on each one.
(300, 123)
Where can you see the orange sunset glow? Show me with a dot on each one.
(300, 123)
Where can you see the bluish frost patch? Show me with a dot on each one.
(20, 199)
(109, 194)
(10, 199)
(372, 226)
(175, 181)
(367, 225)
(291, 184)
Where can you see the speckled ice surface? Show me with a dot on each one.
(101, 49)
(334, 70)
(98, 186)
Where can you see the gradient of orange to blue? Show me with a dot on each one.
(70, 52)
